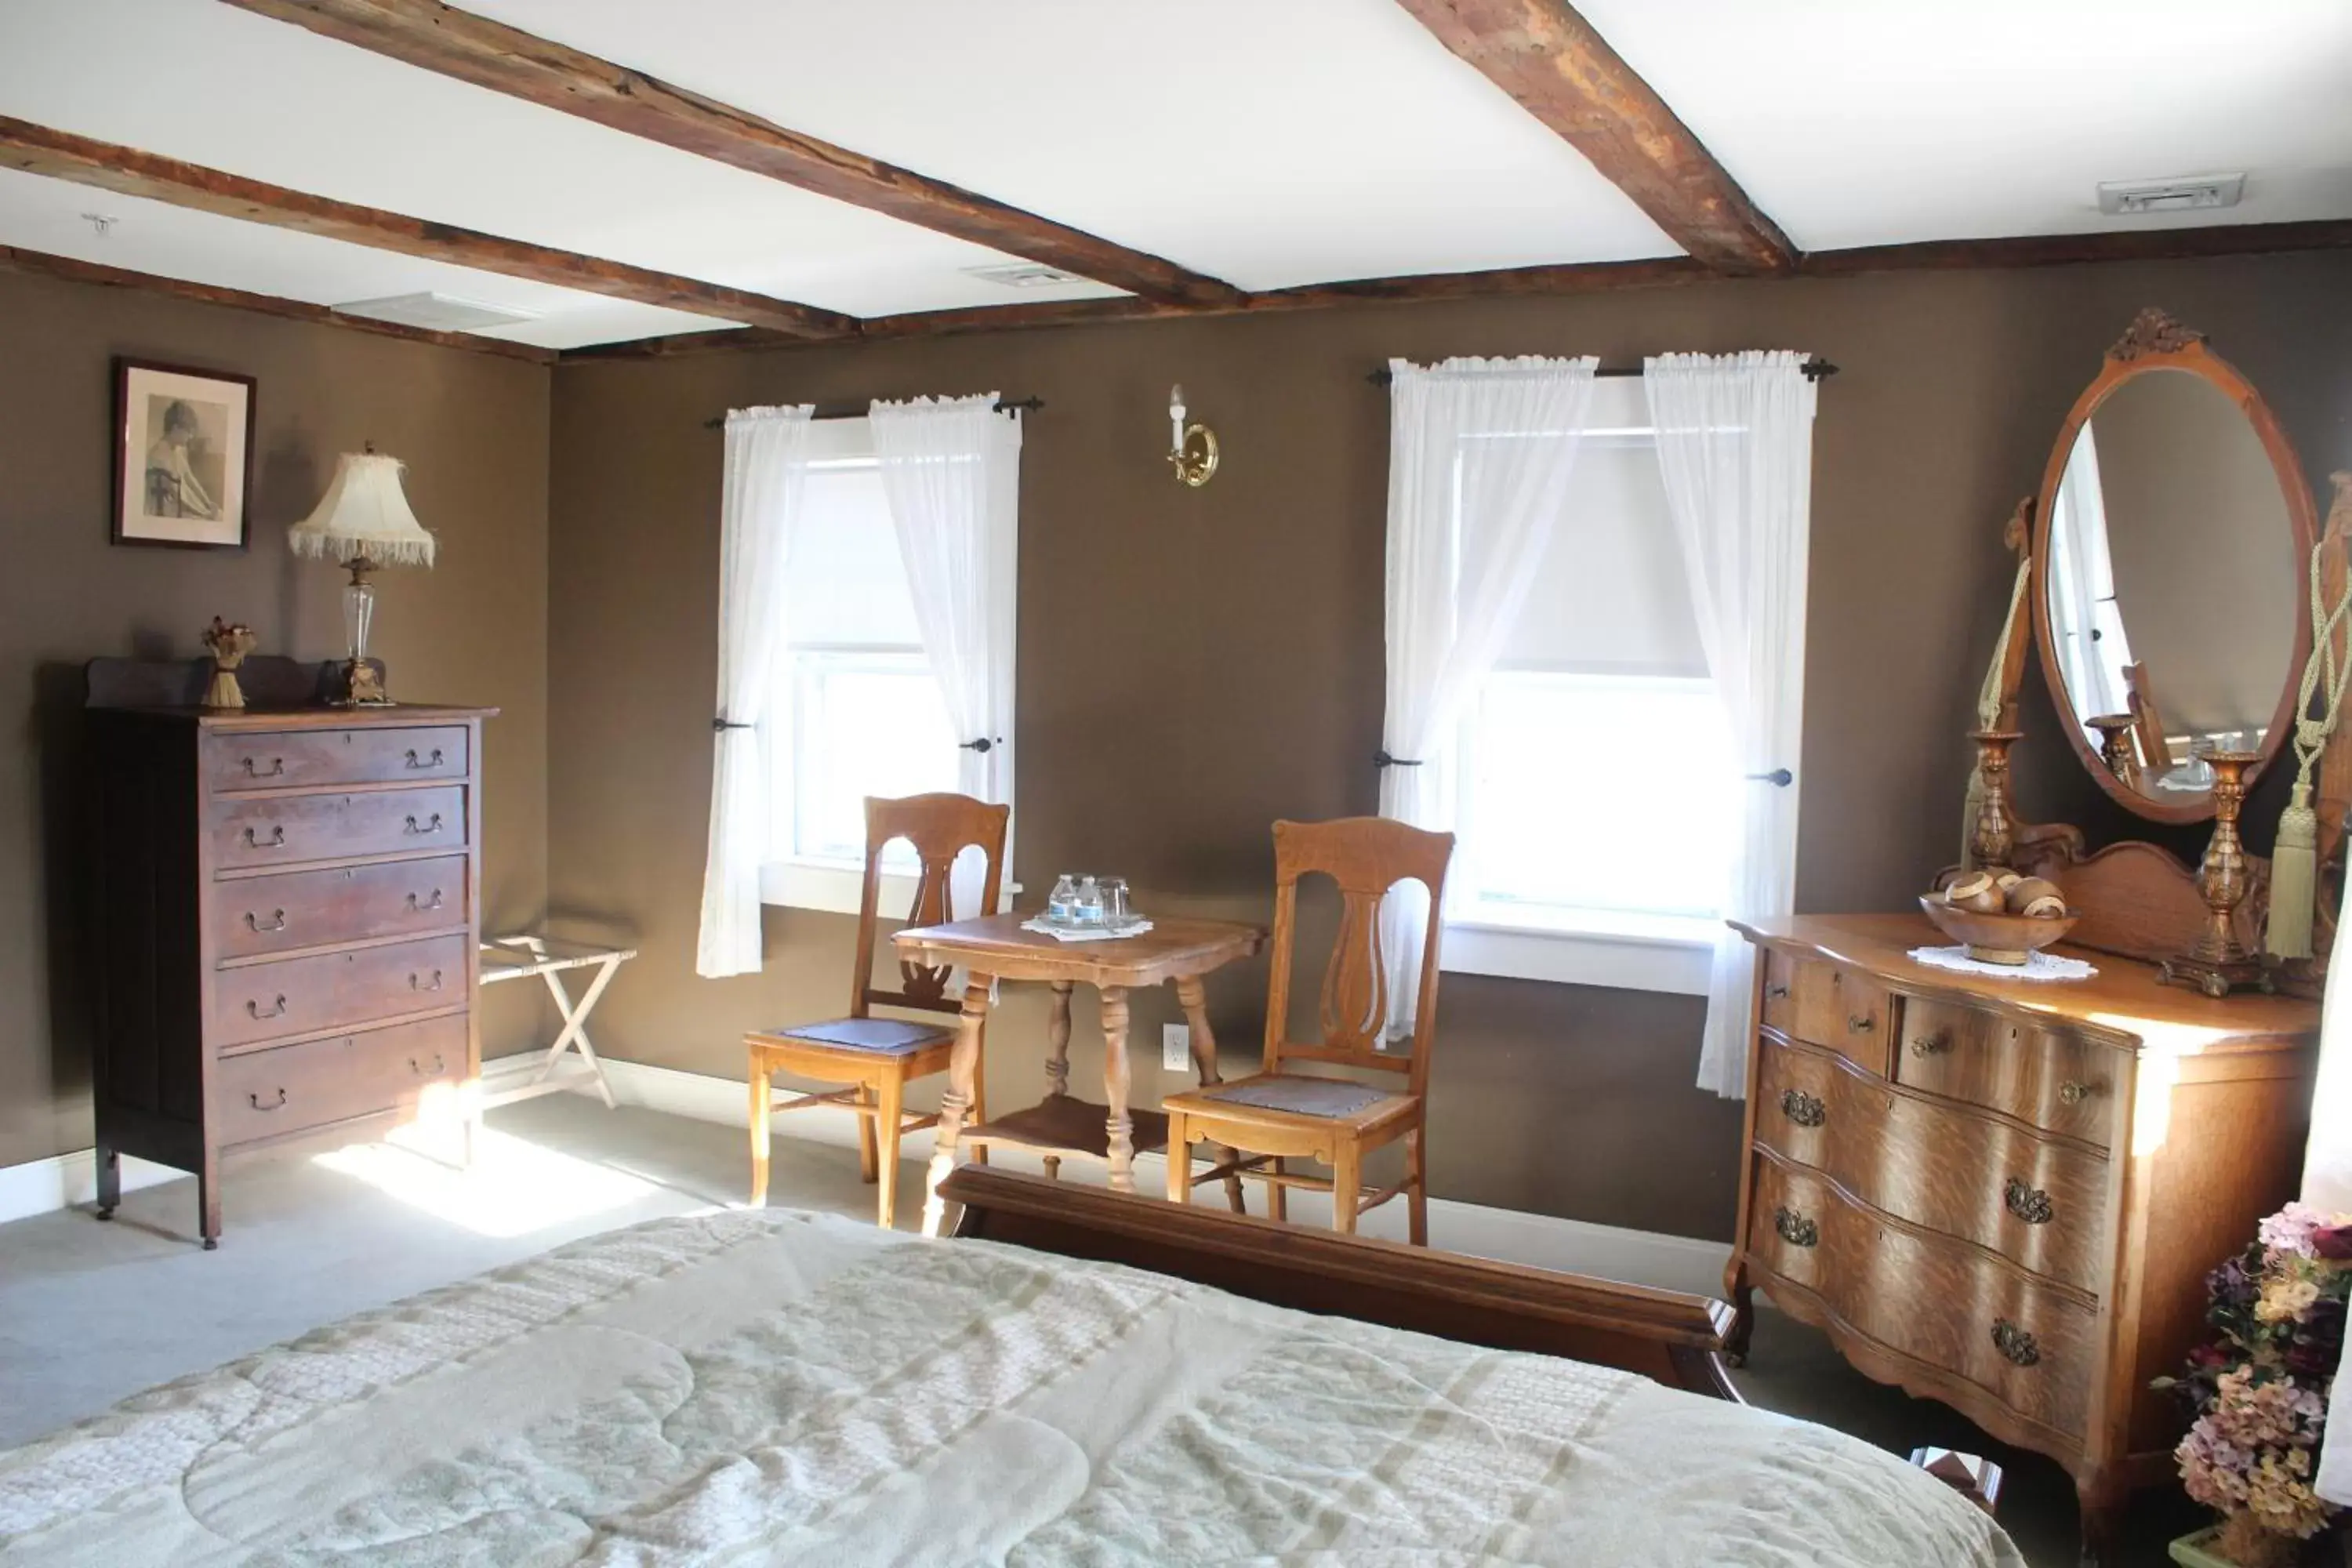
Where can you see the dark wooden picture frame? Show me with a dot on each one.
(199, 408)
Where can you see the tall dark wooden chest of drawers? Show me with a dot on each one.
(287, 907)
(2006, 1194)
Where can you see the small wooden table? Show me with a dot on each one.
(995, 947)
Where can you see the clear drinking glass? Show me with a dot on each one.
(1114, 900)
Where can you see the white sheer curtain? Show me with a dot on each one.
(767, 469)
(1735, 437)
(2328, 1184)
(1480, 451)
(952, 472)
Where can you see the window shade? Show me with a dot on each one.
(844, 584)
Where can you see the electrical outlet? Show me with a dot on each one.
(1175, 1047)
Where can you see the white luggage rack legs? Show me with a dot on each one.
(517, 957)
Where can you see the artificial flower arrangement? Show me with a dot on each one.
(2258, 1393)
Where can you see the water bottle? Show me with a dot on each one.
(1062, 903)
(1088, 909)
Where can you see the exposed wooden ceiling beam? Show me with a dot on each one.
(41, 264)
(60, 155)
(1530, 282)
(490, 53)
(1558, 70)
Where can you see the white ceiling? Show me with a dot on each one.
(1268, 144)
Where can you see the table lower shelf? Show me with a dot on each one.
(1068, 1126)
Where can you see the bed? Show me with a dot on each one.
(770, 1386)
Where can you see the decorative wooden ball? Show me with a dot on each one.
(2029, 892)
(2005, 880)
(1977, 891)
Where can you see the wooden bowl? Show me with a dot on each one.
(1996, 939)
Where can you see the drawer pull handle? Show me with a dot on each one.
(253, 1010)
(1802, 1108)
(1860, 1022)
(432, 761)
(2071, 1093)
(276, 922)
(433, 1071)
(433, 903)
(254, 771)
(1776, 991)
(277, 839)
(254, 1100)
(432, 827)
(2016, 1343)
(416, 984)
(2029, 1203)
(1930, 1045)
(1795, 1229)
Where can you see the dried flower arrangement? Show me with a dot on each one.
(2258, 1393)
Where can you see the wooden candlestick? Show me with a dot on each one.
(1993, 836)
(2220, 962)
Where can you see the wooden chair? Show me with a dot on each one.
(874, 1058)
(1275, 1115)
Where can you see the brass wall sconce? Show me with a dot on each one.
(1192, 448)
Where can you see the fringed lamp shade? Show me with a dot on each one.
(364, 515)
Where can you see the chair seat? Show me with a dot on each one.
(1292, 1094)
(877, 1036)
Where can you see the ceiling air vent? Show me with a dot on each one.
(436, 312)
(1023, 275)
(2190, 193)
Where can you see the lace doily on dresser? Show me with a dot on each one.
(2037, 967)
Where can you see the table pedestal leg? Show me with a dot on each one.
(956, 1103)
(1057, 1056)
(1195, 1002)
(1120, 1126)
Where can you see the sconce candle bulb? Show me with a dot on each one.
(1192, 448)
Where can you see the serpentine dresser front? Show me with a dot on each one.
(2003, 1194)
(288, 903)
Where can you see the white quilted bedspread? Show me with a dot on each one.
(777, 1387)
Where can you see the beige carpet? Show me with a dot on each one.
(91, 1314)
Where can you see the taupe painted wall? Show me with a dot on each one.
(473, 431)
(1195, 664)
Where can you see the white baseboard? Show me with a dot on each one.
(69, 1181)
(1545, 1241)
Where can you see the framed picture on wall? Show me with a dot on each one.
(183, 456)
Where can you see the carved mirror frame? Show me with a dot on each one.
(2155, 343)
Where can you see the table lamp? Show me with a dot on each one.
(362, 521)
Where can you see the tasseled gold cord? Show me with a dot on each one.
(2294, 856)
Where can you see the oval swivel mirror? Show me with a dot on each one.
(2169, 552)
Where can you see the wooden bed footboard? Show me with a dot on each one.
(1670, 1338)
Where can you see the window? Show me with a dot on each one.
(1598, 718)
(857, 708)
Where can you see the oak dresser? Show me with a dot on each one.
(288, 903)
(2005, 1194)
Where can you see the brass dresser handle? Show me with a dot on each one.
(253, 1010)
(1776, 991)
(276, 840)
(1930, 1045)
(277, 766)
(2029, 1204)
(2014, 1342)
(432, 827)
(432, 761)
(416, 984)
(276, 922)
(421, 1071)
(1802, 1108)
(2071, 1093)
(1795, 1229)
(1860, 1022)
(254, 1099)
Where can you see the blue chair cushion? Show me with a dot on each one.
(1321, 1097)
(883, 1037)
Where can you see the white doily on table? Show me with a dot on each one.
(2037, 967)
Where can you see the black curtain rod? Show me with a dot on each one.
(1815, 369)
(860, 410)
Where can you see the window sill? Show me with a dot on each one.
(836, 886)
(1619, 952)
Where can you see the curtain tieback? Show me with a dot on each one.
(983, 745)
(1778, 778)
(1380, 759)
(720, 726)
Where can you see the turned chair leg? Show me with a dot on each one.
(866, 1160)
(760, 1098)
(1346, 1186)
(1277, 1195)
(1179, 1160)
(1416, 1192)
(886, 1119)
